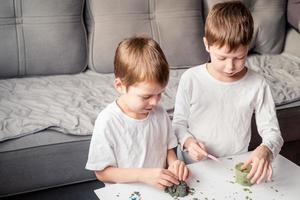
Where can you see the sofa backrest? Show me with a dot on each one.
(45, 37)
(41, 37)
(293, 14)
(177, 25)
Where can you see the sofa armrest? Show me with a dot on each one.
(292, 42)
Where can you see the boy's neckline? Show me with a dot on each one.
(211, 76)
(120, 109)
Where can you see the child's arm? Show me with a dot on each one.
(195, 149)
(171, 156)
(268, 128)
(156, 177)
(176, 166)
(182, 109)
(266, 121)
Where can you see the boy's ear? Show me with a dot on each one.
(120, 87)
(206, 44)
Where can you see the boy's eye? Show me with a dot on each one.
(241, 58)
(146, 97)
(221, 58)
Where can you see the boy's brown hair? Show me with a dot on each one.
(229, 23)
(139, 59)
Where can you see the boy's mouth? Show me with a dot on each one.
(229, 74)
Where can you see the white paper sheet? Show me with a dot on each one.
(213, 180)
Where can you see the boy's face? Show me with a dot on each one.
(227, 66)
(139, 99)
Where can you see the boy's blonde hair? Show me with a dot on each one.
(139, 59)
(229, 23)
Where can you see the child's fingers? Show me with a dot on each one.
(168, 173)
(169, 177)
(194, 154)
(258, 172)
(253, 169)
(165, 183)
(181, 171)
(265, 170)
(202, 146)
(245, 165)
(270, 172)
(185, 173)
(200, 150)
(176, 169)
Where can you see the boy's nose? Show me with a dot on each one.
(229, 66)
(154, 101)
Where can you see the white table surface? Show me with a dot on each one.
(213, 180)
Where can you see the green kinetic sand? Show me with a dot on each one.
(180, 190)
(241, 175)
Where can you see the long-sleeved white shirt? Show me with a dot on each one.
(219, 113)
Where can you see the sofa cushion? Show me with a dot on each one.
(269, 23)
(41, 37)
(293, 13)
(175, 24)
(65, 103)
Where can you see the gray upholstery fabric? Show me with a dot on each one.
(293, 13)
(175, 24)
(269, 23)
(65, 103)
(70, 103)
(282, 72)
(292, 42)
(43, 160)
(41, 37)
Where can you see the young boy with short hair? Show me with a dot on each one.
(215, 101)
(132, 139)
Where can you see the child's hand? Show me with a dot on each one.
(159, 178)
(195, 149)
(261, 166)
(179, 168)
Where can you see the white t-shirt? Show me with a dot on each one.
(219, 113)
(121, 141)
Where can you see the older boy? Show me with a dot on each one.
(215, 101)
(133, 140)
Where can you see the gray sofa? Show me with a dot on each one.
(56, 64)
